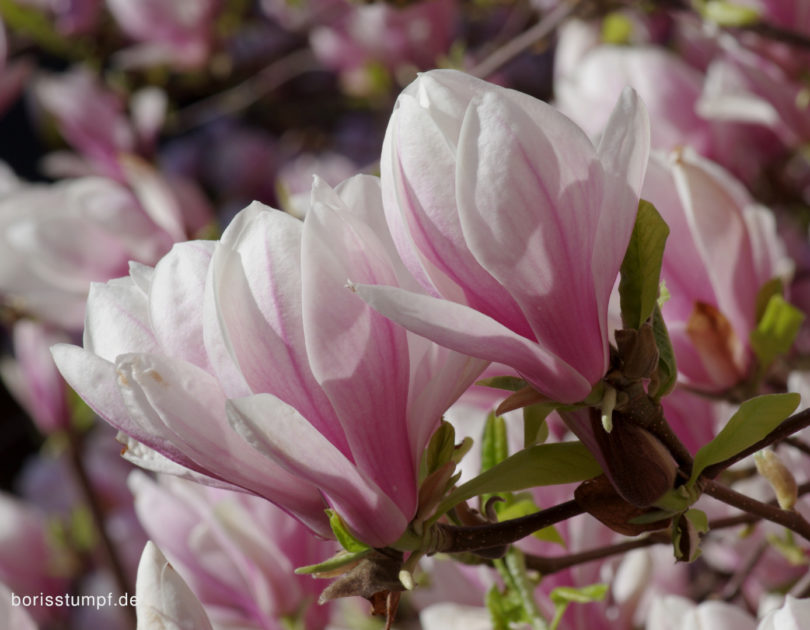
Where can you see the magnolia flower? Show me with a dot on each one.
(93, 120)
(389, 37)
(164, 601)
(224, 360)
(791, 616)
(235, 551)
(722, 248)
(516, 223)
(177, 33)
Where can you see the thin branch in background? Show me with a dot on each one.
(109, 550)
(735, 584)
(792, 520)
(246, 93)
(547, 25)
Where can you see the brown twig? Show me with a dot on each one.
(453, 539)
(110, 553)
(792, 520)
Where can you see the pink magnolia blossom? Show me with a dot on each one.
(516, 223)
(393, 38)
(177, 33)
(236, 552)
(722, 248)
(33, 379)
(93, 120)
(224, 360)
(57, 239)
(678, 613)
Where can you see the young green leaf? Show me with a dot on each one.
(753, 421)
(641, 267)
(776, 330)
(440, 448)
(562, 596)
(774, 286)
(343, 535)
(542, 465)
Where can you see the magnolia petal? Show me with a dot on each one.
(282, 434)
(359, 357)
(175, 295)
(257, 289)
(184, 404)
(529, 193)
(164, 601)
(465, 330)
(117, 320)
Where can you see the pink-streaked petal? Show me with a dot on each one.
(714, 203)
(280, 432)
(359, 357)
(420, 155)
(184, 403)
(175, 296)
(624, 151)
(529, 191)
(117, 320)
(257, 284)
(467, 331)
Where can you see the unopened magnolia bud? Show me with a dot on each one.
(781, 479)
(637, 351)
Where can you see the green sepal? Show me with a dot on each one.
(753, 421)
(776, 330)
(686, 533)
(343, 535)
(666, 372)
(439, 450)
(535, 427)
(541, 465)
(641, 267)
(341, 559)
(774, 286)
(562, 596)
(508, 383)
(729, 14)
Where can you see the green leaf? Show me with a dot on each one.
(341, 559)
(343, 535)
(698, 519)
(509, 383)
(666, 372)
(753, 421)
(776, 330)
(494, 448)
(542, 465)
(641, 267)
(729, 14)
(535, 429)
(564, 595)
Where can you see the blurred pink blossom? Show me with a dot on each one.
(236, 552)
(722, 248)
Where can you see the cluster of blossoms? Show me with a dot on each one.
(514, 362)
